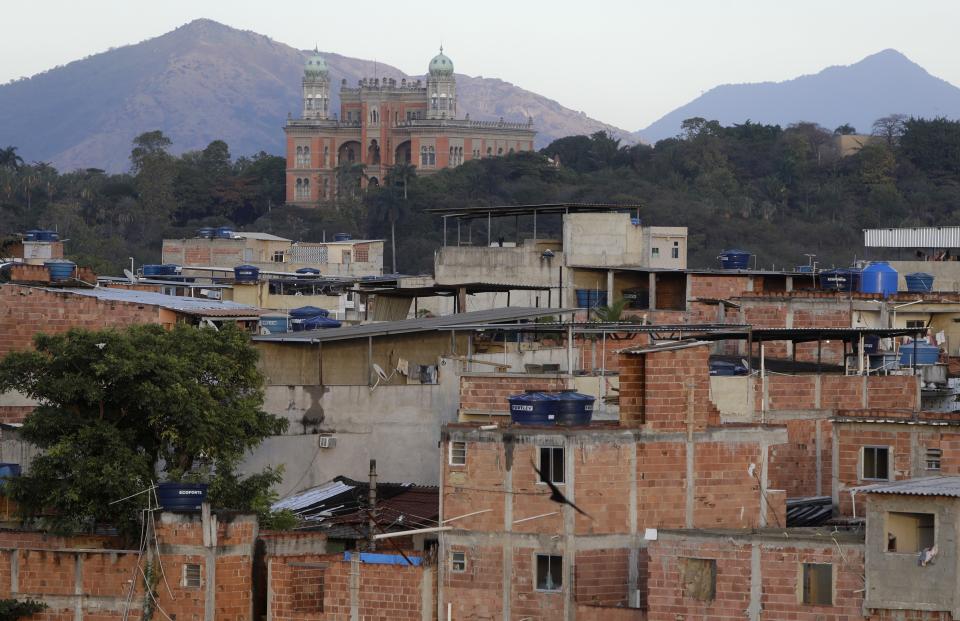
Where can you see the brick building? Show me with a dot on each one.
(382, 123)
(669, 463)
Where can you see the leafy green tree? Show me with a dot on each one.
(10, 159)
(13, 609)
(845, 130)
(890, 128)
(122, 408)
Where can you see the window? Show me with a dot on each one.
(278, 256)
(303, 157)
(458, 453)
(654, 252)
(326, 156)
(817, 584)
(909, 533)
(458, 562)
(699, 578)
(549, 572)
(675, 251)
(875, 463)
(191, 575)
(433, 156)
(551, 464)
(933, 458)
(345, 257)
(423, 156)
(916, 323)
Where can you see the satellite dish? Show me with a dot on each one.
(380, 372)
(130, 276)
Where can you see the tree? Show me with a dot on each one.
(398, 175)
(845, 130)
(122, 408)
(890, 128)
(13, 609)
(10, 159)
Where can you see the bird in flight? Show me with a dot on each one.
(556, 495)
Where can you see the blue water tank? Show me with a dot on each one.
(206, 232)
(309, 311)
(224, 232)
(591, 298)
(246, 273)
(181, 497)
(735, 259)
(879, 278)
(804, 269)
(60, 269)
(152, 270)
(342, 237)
(840, 279)
(533, 407)
(919, 282)
(275, 324)
(46, 235)
(8, 471)
(926, 353)
(574, 408)
(30, 235)
(308, 271)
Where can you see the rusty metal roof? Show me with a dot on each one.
(924, 486)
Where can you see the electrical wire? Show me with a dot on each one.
(304, 475)
(156, 542)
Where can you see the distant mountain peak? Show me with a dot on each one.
(880, 84)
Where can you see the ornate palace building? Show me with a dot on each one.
(383, 123)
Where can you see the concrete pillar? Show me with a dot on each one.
(653, 290)
(610, 298)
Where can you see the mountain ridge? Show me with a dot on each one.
(205, 81)
(883, 83)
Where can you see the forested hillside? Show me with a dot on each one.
(779, 192)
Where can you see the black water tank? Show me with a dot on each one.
(574, 408)
(181, 496)
(533, 407)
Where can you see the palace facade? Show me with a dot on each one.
(382, 123)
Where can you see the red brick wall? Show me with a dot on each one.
(489, 392)
(25, 311)
(779, 567)
(631, 390)
(475, 592)
(718, 286)
(386, 591)
(793, 466)
(602, 577)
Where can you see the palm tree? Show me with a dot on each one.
(10, 159)
(349, 175)
(401, 173)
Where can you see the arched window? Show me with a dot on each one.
(424, 158)
(326, 188)
(350, 155)
(326, 156)
(500, 151)
(433, 156)
(433, 102)
(489, 151)
(511, 152)
(302, 190)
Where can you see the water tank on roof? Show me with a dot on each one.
(574, 408)
(206, 232)
(30, 235)
(919, 282)
(840, 279)
(8, 471)
(926, 353)
(246, 273)
(46, 235)
(342, 237)
(224, 232)
(317, 322)
(181, 497)
(879, 278)
(735, 259)
(309, 311)
(152, 270)
(533, 407)
(275, 323)
(60, 270)
(308, 271)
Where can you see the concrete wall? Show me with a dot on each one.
(946, 274)
(398, 425)
(897, 581)
(521, 265)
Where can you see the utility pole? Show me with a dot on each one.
(372, 499)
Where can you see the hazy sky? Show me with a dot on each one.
(623, 62)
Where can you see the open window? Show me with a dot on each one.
(875, 463)
(699, 578)
(817, 584)
(549, 572)
(551, 465)
(910, 533)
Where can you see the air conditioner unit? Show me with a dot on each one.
(327, 442)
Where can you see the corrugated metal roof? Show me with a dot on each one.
(917, 237)
(259, 236)
(312, 496)
(180, 304)
(925, 486)
(405, 326)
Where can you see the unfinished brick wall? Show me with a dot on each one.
(719, 286)
(674, 380)
(793, 466)
(673, 589)
(474, 591)
(488, 392)
(26, 311)
(318, 586)
(602, 577)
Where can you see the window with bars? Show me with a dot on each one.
(551, 464)
(192, 578)
(458, 562)
(933, 458)
(361, 253)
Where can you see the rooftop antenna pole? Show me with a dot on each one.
(372, 499)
